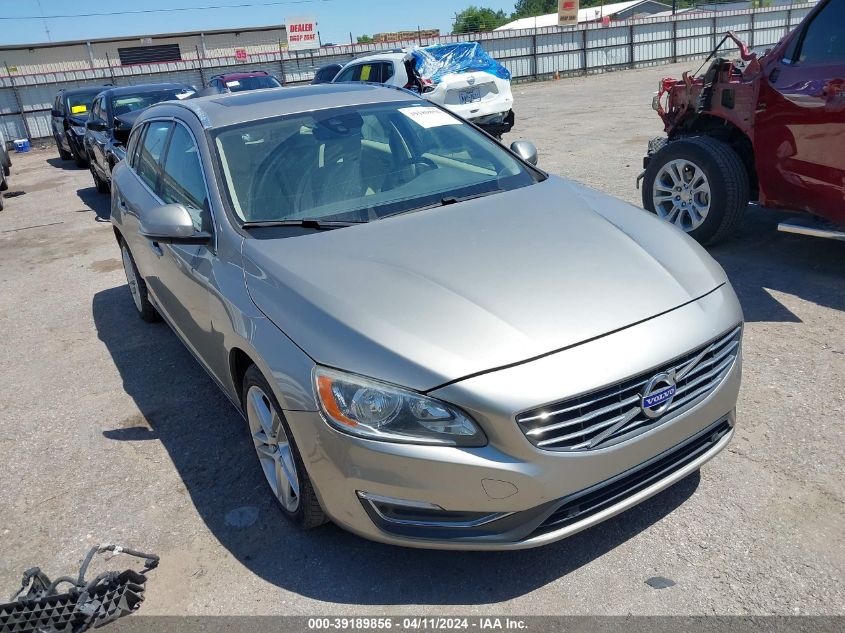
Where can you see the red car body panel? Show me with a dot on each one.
(792, 112)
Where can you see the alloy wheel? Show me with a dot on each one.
(681, 194)
(273, 448)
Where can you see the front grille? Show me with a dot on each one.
(613, 414)
(587, 502)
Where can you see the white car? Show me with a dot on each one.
(478, 96)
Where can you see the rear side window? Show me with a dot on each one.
(823, 41)
(377, 72)
(182, 180)
(149, 157)
(132, 148)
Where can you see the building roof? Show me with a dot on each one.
(584, 15)
(137, 38)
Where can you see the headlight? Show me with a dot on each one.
(380, 411)
(79, 131)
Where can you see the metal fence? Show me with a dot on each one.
(530, 54)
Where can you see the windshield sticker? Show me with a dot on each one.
(427, 116)
(233, 84)
(365, 73)
(184, 95)
(78, 109)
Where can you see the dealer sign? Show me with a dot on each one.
(567, 12)
(302, 33)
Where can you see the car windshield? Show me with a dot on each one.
(80, 103)
(121, 104)
(252, 83)
(360, 163)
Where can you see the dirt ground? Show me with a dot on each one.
(110, 432)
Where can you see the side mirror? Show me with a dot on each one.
(56, 113)
(525, 150)
(94, 124)
(171, 223)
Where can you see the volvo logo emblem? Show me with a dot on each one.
(658, 395)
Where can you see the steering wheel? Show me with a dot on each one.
(421, 160)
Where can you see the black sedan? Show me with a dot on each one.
(112, 114)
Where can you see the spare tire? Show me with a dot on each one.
(700, 185)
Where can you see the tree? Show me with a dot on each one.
(364, 39)
(474, 19)
(530, 8)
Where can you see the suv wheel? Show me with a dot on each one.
(277, 453)
(101, 185)
(700, 185)
(63, 154)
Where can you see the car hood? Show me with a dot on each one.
(427, 298)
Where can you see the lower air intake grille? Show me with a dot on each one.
(614, 414)
(587, 502)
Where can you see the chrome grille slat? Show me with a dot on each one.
(584, 418)
(580, 423)
(550, 414)
(595, 427)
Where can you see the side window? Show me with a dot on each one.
(350, 74)
(823, 41)
(386, 71)
(132, 148)
(149, 156)
(181, 179)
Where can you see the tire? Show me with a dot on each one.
(63, 153)
(81, 161)
(2, 202)
(4, 183)
(138, 291)
(706, 178)
(6, 170)
(265, 421)
(101, 185)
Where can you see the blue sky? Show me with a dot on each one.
(336, 18)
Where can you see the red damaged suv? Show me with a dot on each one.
(770, 130)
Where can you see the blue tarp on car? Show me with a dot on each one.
(433, 62)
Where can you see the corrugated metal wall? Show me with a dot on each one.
(529, 54)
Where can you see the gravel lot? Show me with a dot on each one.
(110, 431)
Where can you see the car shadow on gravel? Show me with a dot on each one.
(99, 203)
(206, 439)
(70, 165)
(760, 259)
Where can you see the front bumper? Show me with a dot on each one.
(511, 494)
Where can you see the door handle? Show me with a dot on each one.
(156, 248)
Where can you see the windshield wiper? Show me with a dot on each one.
(308, 223)
(445, 200)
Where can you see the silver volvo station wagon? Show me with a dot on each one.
(433, 342)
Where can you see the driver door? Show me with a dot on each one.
(800, 136)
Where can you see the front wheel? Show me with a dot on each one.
(700, 185)
(277, 453)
